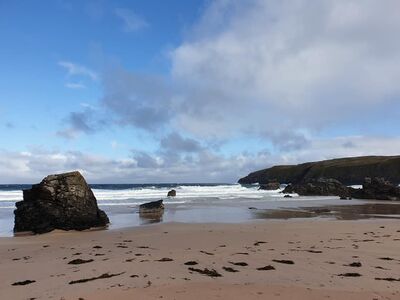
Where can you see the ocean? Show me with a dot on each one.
(199, 203)
(136, 194)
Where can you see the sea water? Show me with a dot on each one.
(193, 203)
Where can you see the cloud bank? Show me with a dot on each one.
(189, 164)
(282, 71)
(275, 66)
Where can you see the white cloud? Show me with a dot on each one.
(327, 148)
(114, 145)
(132, 21)
(251, 65)
(75, 85)
(74, 69)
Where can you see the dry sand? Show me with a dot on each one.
(149, 262)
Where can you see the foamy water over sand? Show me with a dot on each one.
(136, 194)
(120, 201)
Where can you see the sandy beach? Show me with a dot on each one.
(273, 259)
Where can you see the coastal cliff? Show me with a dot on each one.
(350, 170)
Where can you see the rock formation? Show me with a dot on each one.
(171, 193)
(318, 187)
(270, 186)
(376, 188)
(62, 201)
(152, 207)
(373, 188)
(348, 171)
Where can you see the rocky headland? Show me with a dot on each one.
(349, 171)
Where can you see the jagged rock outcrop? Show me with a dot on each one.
(62, 201)
(171, 193)
(373, 188)
(376, 188)
(349, 171)
(270, 186)
(318, 187)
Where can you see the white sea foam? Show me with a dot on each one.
(10, 196)
(356, 186)
(185, 194)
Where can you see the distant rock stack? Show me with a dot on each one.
(171, 193)
(62, 201)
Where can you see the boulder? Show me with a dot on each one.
(152, 207)
(376, 188)
(61, 201)
(151, 212)
(270, 186)
(318, 187)
(171, 193)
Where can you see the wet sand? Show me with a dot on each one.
(339, 212)
(270, 259)
(237, 211)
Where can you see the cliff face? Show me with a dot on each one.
(350, 170)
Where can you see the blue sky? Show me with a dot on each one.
(193, 91)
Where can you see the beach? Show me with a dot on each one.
(203, 149)
(270, 259)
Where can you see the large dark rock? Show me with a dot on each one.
(270, 186)
(376, 188)
(349, 171)
(62, 201)
(318, 187)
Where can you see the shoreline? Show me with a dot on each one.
(241, 211)
(148, 262)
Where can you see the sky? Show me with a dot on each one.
(179, 91)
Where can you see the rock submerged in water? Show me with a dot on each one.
(61, 201)
(171, 193)
(152, 207)
(151, 212)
